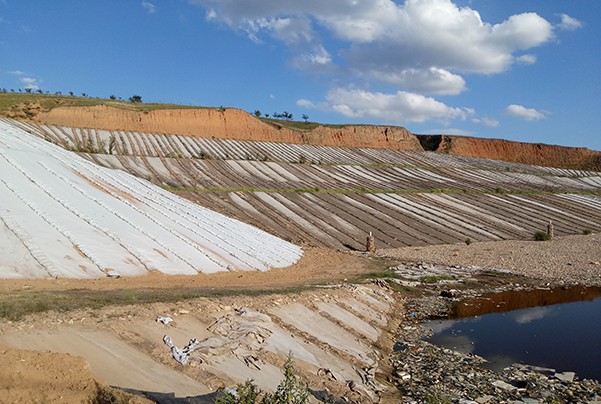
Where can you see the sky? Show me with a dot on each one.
(525, 70)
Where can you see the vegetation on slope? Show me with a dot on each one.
(13, 102)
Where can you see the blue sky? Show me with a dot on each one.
(526, 70)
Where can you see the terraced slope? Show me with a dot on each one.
(335, 196)
(63, 216)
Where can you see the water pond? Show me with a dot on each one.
(558, 329)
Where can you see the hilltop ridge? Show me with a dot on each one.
(231, 123)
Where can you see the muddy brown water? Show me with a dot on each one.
(558, 329)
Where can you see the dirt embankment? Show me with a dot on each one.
(527, 153)
(36, 377)
(227, 124)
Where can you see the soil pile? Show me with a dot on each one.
(227, 124)
(526, 153)
(30, 376)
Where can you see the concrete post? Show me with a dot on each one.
(551, 230)
(371, 244)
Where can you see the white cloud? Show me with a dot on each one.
(290, 30)
(420, 45)
(30, 82)
(528, 114)
(451, 131)
(433, 81)
(316, 59)
(151, 8)
(526, 59)
(488, 122)
(568, 23)
(400, 107)
(305, 103)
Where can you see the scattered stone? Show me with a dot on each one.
(452, 293)
(503, 385)
(567, 377)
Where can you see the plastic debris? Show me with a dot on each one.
(164, 319)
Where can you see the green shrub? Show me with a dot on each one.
(541, 236)
(289, 391)
(586, 232)
(468, 241)
(246, 393)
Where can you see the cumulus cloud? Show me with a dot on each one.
(30, 82)
(432, 81)
(316, 59)
(528, 114)
(151, 8)
(396, 107)
(526, 59)
(568, 23)
(488, 122)
(419, 45)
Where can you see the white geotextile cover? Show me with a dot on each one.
(63, 216)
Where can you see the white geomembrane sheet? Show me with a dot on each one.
(63, 216)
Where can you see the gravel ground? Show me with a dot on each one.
(569, 259)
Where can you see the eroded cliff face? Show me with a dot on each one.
(236, 124)
(227, 124)
(527, 153)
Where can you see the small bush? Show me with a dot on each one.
(586, 232)
(246, 393)
(541, 236)
(290, 391)
(468, 241)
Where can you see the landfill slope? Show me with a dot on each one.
(63, 216)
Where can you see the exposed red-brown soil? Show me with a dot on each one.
(227, 124)
(236, 124)
(526, 153)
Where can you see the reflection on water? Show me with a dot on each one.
(566, 337)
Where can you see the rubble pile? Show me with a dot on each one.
(425, 372)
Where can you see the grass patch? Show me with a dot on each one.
(14, 306)
(360, 190)
(298, 125)
(49, 101)
(430, 279)
(541, 236)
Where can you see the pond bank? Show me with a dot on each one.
(424, 372)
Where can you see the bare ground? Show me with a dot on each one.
(27, 375)
(570, 259)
